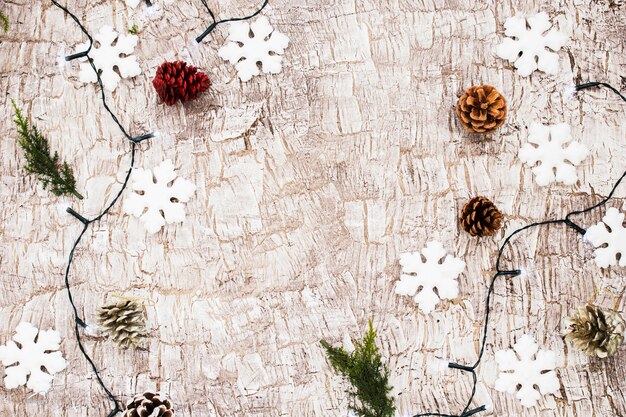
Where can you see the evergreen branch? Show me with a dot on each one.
(48, 168)
(367, 374)
(4, 21)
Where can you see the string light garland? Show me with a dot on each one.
(471, 369)
(231, 19)
(134, 140)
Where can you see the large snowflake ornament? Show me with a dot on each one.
(527, 44)
(525, 367)
(547, 146)
(609, 239)
(112, 55)
(32, 358)
(154, 200)
(253, 46)
(430, 279)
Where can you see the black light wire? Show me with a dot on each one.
(599, 84)
(78, 321)
(231, 19)
(516, 272)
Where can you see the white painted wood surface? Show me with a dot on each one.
(310, 185)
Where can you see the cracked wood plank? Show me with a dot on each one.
(310, 185)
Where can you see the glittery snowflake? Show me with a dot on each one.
(112, 55)
(546, 146)
(609, 239)
(525, 367)
(527, 48)
(430, 279)
(154, 201)
(253, 46)
(32, 358)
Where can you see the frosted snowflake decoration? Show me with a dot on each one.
(253, 46)
(32, 358)
(609, 239)
(525, 367)
(527, 48)
(427, 279)
(110, 57)
(154, 201)
(546, 145)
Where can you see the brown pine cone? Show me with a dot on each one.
(481, 109)
(149, 405)
(480, 217)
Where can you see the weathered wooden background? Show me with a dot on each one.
(354, 156)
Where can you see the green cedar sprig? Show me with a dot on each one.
(4, 21)
(367, 374)
(49, 169)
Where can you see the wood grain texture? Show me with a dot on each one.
(311, 183)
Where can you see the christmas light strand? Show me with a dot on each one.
(231, 19)
(134, 140)
(471, 369)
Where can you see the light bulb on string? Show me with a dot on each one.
(90, 330)
(443, 365)
(569, 91)
(61, 61)
(152, 11)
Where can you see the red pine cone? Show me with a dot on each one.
(177, 81)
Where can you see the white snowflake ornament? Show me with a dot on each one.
(25, 357)
(420, 278)
(108, 58)
(527, 367)
(527, 48)
(132, 3)
(547, 145)
(251, 45)
(609, 239)
(154, 201)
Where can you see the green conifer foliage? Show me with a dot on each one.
(53, 174)
(367, 374)
(4, 22)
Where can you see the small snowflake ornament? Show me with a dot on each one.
(421, 277)
(32, 358)
(154, 201)
(114, 52)
(251, 45)
(547, 146)
(609, 239)
(528, 48)
(525, 367)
